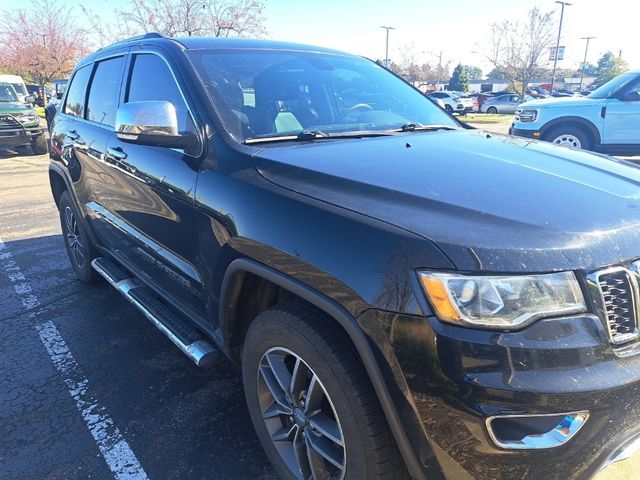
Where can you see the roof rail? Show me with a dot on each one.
(137, 37)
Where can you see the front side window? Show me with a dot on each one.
(102, 104)
(613, 86)
(262, 94)
(74, 105)
(151, 79)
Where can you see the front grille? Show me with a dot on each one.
(618, 297)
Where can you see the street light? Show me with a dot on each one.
(584, 62)
(555, 57)
(386, 52)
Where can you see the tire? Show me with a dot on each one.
(39, 144)
(349, 408)
(569, 136)
(76, 240)
(492, 110)
(448, 108)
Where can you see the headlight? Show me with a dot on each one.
(27, 117)
(527, 116)
(501, 301)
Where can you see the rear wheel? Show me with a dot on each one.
(492, 110)
(569, 136)
(311, 402)
(76, 241)
(448, 108)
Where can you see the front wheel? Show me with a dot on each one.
(568, 136)
(39, 144)
(448, 108)
(311, 402)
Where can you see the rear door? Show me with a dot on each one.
(622, 119)
(81, 130)
(146, 202)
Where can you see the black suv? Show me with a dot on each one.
(406, 296)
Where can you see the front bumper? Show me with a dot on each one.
(519, 132)
(14, 137)
(453, 379)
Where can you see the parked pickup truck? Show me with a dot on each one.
(405, 296)
(607, 120)
(19, 123)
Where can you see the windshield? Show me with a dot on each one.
(610, 88)
(7, 93)
(19, 88)
(264, 94)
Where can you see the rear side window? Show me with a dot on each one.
(151, 79)
(74, 104)
(103, 94)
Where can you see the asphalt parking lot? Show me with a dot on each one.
(89, 388)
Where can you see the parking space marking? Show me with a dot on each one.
(114, 448)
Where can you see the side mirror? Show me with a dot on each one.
(153, 123)
(631, 96)
(29, 99)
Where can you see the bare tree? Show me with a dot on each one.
(218, 18)
(41, 43)
(518, 48)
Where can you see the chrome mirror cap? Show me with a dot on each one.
(152, 118)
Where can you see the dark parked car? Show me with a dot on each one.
(36, 93)
(404, 296)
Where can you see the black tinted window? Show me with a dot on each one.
(151, 79)
(74, 104)
(103, 94)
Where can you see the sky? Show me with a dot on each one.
(457, 28)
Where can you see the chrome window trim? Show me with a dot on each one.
(597, 296)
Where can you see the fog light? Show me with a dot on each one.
(520, 432)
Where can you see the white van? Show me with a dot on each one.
(17, 83)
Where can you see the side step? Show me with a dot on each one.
(173, 324)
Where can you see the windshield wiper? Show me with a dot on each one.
(306, 135)
(417, 127)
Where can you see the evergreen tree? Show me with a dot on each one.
(459, 80)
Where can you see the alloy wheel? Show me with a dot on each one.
(300, 417)
(72, 234)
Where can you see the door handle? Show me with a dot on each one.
(116, 153)
(73, 135)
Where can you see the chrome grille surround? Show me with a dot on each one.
(615, 294)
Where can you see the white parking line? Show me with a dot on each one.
(114, 449)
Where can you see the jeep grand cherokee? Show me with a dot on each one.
(405, 296)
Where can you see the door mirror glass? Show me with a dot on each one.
(151, 122)
(29, 99)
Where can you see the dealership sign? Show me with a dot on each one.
(552, 53)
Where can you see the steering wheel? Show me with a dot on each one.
(355, 108)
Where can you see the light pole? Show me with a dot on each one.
(584, 62)
(555, 57)
(386, 52)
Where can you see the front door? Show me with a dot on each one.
(622, 119)
(148, 200)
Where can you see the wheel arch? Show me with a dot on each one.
(583, 123)
(237, 272)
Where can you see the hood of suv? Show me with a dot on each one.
(14, 107)
(562, 102)
(490, 202)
